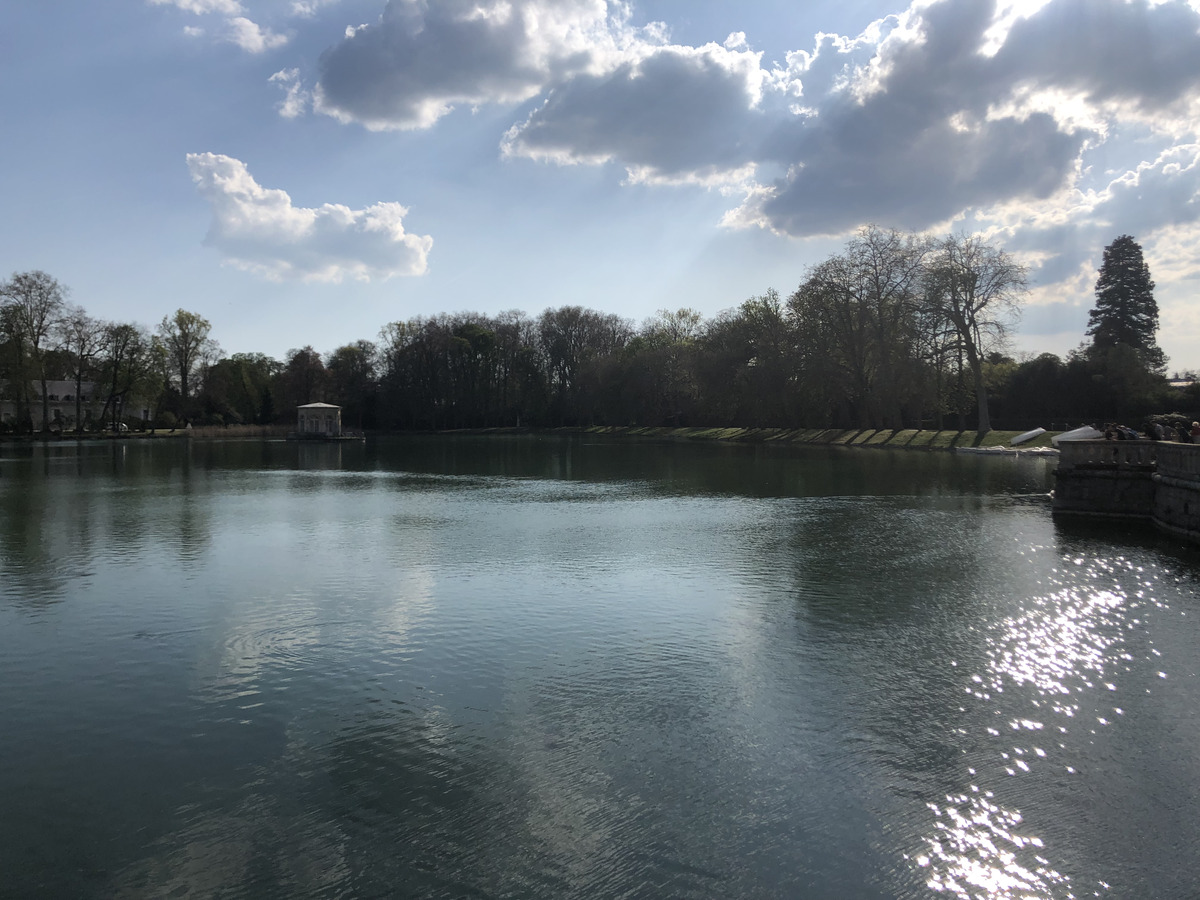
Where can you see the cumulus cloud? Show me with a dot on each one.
(259, 230)
(933, 126)
(1051, 124)
(673, 114)
(951, 107)
(251, 37)
(1139, 57)
(907, 139)
(420, 59)
(1154, 200)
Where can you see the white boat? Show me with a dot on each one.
(1086, 433)
(1026, 436)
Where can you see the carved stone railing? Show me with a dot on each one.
(1108, 454)
(1159, 481)
(1181, 461)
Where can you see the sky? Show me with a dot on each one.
(303, 172)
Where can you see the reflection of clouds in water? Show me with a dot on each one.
(225, 849)
(1061, 649)
(307, 629)
(268, 833)
(261, 647)
(413, 603)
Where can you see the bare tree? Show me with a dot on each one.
(856, 314)
(34, 303)
(573, 340)
(977, 289)
(130, 363)
(82, 337)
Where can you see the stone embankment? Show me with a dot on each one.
(905, 439)
(1153, 481)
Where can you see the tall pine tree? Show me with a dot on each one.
(1125, 313)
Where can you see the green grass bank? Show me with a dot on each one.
(908, 439)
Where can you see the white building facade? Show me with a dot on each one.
(319, 419)
(61, 403)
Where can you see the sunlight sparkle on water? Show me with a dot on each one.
(1055, 652)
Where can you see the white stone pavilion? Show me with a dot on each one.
(319, 420)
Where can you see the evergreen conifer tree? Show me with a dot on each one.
(1126, 313)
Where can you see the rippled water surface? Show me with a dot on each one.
(576, 668)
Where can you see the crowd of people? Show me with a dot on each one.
(1154, 431)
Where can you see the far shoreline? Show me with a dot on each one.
(996, 441)
(891, 439)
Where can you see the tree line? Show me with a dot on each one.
(897, 330)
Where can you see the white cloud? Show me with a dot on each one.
(259, 230)
(296, 99)
(239, 29)
(306, 9)
(1153, 201)
(252, 37)
(202, 7)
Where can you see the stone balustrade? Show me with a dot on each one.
(1154, 480)
(1115, 454)
(1180, 461)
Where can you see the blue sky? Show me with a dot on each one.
(305, 171)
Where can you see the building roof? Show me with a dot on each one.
(318, 406)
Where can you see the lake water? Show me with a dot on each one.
(564, 667)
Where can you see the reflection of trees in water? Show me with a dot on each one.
(193, 522)
(67, 511)
(52, 520)
(34, 552)
(736, 469)
(856, 564)
(318, 456)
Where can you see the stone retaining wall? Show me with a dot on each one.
(1177, 490)
(1156, 481)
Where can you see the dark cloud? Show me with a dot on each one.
(1107, 50)
(917, 148)
(866, 165)
(421, 59)
(923, 139)
(677, 113)
(921, 119)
